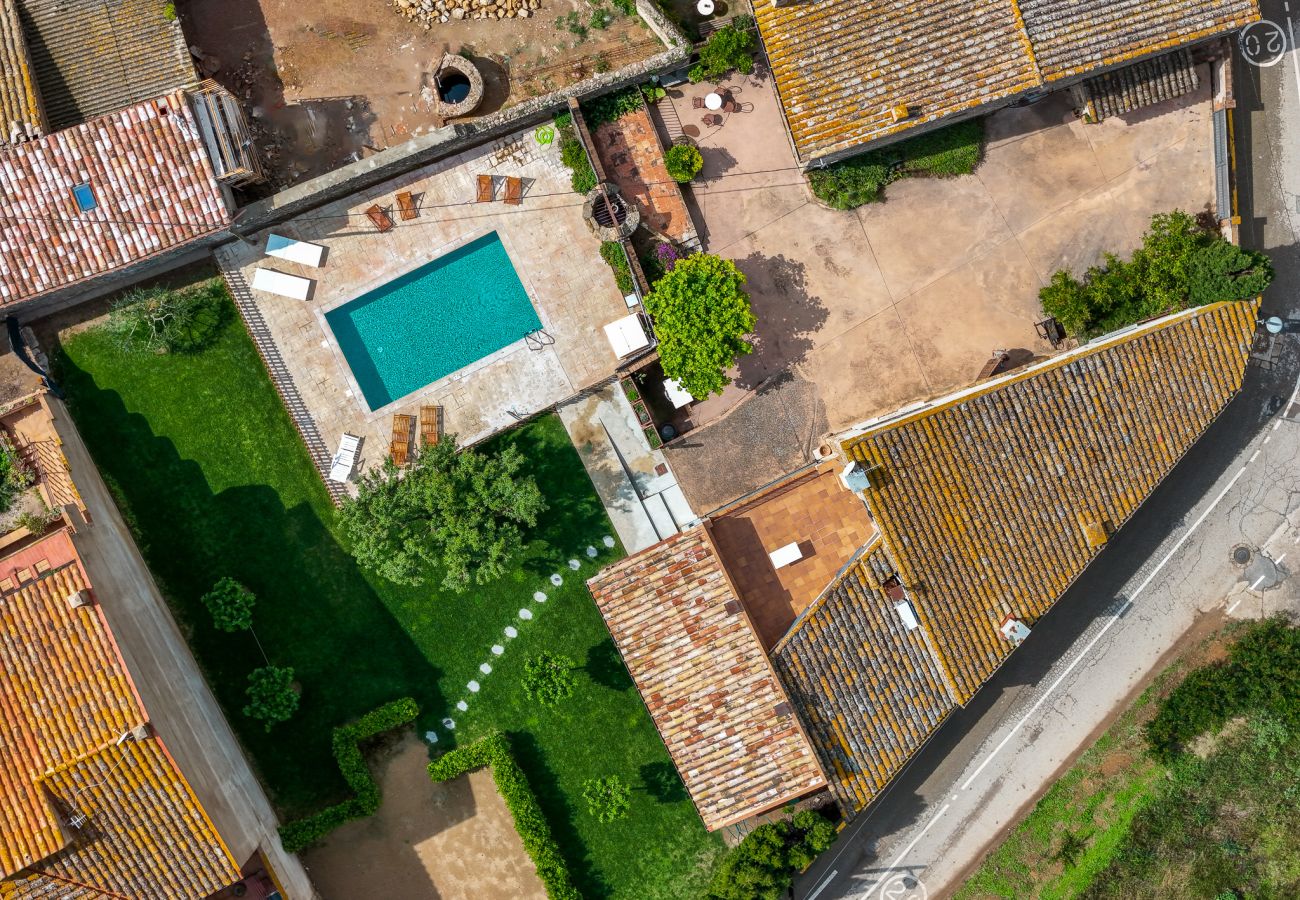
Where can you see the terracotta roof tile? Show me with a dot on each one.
(705, 679)
(151, 179)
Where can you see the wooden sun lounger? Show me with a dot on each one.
(400, 448)
(514, 191)
(406, 206)
(430, 424)
(383, 221)
(486, 189)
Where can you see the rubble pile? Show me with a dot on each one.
(429, 12)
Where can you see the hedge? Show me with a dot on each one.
(301, 834)
(494, 752)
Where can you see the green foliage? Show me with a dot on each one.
(945, 152)
(37, 522)
(549, 678)
(366, 796)
(611, 107)
(701, 314)
(160, 320)
(572, 22)
(626, 7)
(574, 156)
(169, 11)
(1178, 264)
(612, 253)
(652, 92)
(15, 475)
(271, 696)
(729, 49)
(683, 162)
(1073, 845)
(762, 867)
(231, 605)
(460, 511)
(494, 751)
(608, 798)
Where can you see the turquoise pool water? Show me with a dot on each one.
(432, 321)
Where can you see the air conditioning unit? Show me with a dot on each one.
(78, 599)
(908, 615)
(857, 477)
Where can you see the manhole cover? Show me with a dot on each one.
(1241, 554)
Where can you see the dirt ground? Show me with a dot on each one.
(429, 841)
(352, 77)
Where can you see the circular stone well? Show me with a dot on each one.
(458, 86)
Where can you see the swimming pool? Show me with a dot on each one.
(433, 321)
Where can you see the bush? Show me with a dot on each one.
(612, 253)
(954, 150)
(346, 742)
(231, 605)
(271, 696)
(161, 320)
(535, 832)
(582, 176)
(38, 522)
(608, 798)
(683, 162)
(611, 107)
(729, 49)
(653, 93)
(762, 867)
(548, 678)
(15, 476)
(701, 314)
(1224, 271)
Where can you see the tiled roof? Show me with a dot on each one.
(66, 701)
(20, 107)
(840, 66)
(992, 502)
(1075, 36)
(151, 179)
(704, 677)
(1133, 87)
(869, 690)
(93, 57)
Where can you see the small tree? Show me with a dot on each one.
(460, 511)
(161, 320)
(549, 678)
(231, 605)
(762, 866)
(701, 314)
(730, 48)
(1224, 271)
(608, 798)
(683, 162)
(271, 696)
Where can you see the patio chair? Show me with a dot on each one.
(399, 449)
(430, 424)
(302, 252)
(381, 219)
(486, 189)
(345, 460)
(282, 283)
(697, 103)
(406, 206)
(514, 191)
(712, 120)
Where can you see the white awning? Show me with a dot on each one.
(626, 335)
(677, 395)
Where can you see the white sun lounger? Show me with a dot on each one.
(281, 283)
(304, 252)
(345, 460)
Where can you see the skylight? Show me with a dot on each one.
(84, 194)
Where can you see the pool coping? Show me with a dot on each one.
(340, 358)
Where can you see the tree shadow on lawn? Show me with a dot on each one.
(661, 781)
(605, 667)
(315, 611)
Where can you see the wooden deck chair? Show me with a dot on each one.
(487, 189)
(382, 220)
(514, 191)
(430, 424)
(400, 448)
(406, 206)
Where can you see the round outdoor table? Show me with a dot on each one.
(713, 101)
(705, 7)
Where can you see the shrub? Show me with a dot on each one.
(549, 678)
(608, 798)
(683, 162)
(1224, 271)
(161, 320)
(762, 866)
(611, 107)
(652, 92)
(535, 832)
(38, 522)
(612, 253)
(574, 156)
(729, 49)
(346, 742)
(271, 696)
(701, 314)
(231, 605)
(15, 476)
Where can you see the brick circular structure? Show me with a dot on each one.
(458, 86)
(612, 221)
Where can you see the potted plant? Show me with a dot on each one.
(630, 391)
(642, 414)
(652, 435)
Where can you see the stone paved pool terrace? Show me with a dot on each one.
(552, 250)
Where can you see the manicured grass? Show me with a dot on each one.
(210, 473)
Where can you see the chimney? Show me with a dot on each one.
(79, 599)
(141, 732)
(899, 111)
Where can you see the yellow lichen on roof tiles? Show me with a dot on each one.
(20, 108)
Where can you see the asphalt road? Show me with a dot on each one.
(1169, 567)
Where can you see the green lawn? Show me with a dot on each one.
(208, 470)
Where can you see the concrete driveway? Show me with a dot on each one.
(865, 311)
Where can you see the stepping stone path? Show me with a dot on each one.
(556, 579)
(525, 614)
(608, 541)
(539, 597)
(431, 737)
(485, 669)
(511, 631)
(575, 565)
(497, 649)
(592, 551)
(473, 687)
(462, 705)
(449, 724)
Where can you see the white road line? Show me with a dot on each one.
(1278, 561)
(1267, 439)
(1254, 456)
(1277, 424)
(1234, 605)
(821, 887)
(1258, 581)
(1123, 609)
(908, 849)
(1295, 63)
